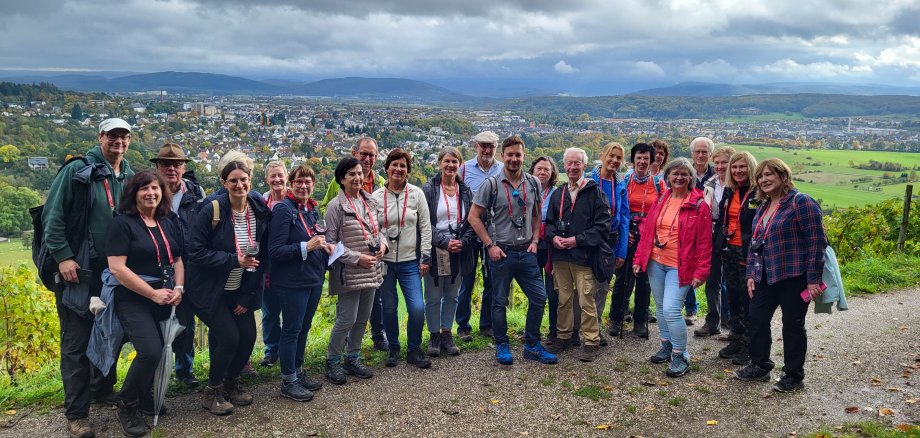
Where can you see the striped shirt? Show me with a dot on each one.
(241, 231)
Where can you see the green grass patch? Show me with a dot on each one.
(12, 253)
(872, 275)
(547, 381)
(868, 429)
(632, 409)
(676, 401)
(592, 392)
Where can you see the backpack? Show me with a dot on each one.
(44, 262)
(656, 181)
(493, 182)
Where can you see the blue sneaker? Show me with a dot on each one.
(503, 354)
(538, 353)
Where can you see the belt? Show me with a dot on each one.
(518, 248)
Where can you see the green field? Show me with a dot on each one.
(831, 180)
(13, 253)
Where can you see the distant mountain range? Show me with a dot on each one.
(704, 89)
(397, 89)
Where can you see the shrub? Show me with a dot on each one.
(31, 330)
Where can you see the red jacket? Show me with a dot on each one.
(694, 233)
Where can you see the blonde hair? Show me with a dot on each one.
(609, 148)
(778, 167)
(273, 164)
(231, 156)
(726, 150)
(752, 165)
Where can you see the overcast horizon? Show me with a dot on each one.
(582, 46)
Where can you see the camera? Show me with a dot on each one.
(756, 246)
(562, 228)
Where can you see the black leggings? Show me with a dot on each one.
(230, 339)
(140, 318)
(785, 295)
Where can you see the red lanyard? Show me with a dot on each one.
(248, 229)
(661, 214)
(369, 216)
(463, 177)
(650, 181)
(447, 202)
(508, 195)
(613, 205)
(108, 193)
(546, 194)
(767, 227)
(157, 246)
(386, 217)
(562, 198)
(305, 227)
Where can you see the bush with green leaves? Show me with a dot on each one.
(872, 230)
(31, 330)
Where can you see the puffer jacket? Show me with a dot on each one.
(463, 262)
(588, 222)
(342, 226)
(694, 235)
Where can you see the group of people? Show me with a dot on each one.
(153, 242)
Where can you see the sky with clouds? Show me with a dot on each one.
(598, 45)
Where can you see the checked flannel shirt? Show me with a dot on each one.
(794, 242)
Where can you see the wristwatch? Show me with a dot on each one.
(490, 245)
(180, 288)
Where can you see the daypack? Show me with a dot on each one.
(656, 181)
(77, 230)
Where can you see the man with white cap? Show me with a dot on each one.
(474, 173)
(100, 175)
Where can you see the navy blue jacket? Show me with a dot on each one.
(288, 268)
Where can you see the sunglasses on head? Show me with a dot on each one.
(517, 195)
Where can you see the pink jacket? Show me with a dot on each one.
(694, 233)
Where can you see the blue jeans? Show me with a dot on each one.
(552, 294)
(184, 345)
(522, 267)
(297, 309)
(441, 302)
(410, 282)
(465, 297)
(669, 298)
(690, 301)
(271, 321)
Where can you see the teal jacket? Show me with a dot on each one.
(67, 195)
(333, 190)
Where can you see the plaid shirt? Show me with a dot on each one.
(794, 242)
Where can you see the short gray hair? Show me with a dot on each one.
(584, 155)
(709, 143)
(677, 163)
(363, 139)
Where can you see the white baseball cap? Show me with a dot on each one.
(114, 123)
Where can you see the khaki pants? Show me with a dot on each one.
(570, 278)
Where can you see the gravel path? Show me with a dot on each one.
(867, 358)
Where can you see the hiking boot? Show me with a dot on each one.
(628, 317)
(589, 353)
(614, 330)
(538, 353)
(434, 344)
(689, 320)
(788, 384)
(308, 382)
(334, 372)
(392, 358)
(707, 330)
(752, 373)
(110, 399)
(131, 419)
(742, 357)
(354, 367)
(503, 354)
(235, 393)
(80, 428)
(380, 341)
(465, 335)
(447, 344)
(249, 371)
(734, 347)
(652, 319)
(268, 360)
(559, 345)
(188, 380)
(679, 365)
(486, 332)
(146, 407)
(417, 358)
(212, 399)
(294, 391)
(641, 330)
(663, 354)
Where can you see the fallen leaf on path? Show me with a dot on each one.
(894, 389)
(904, 328)
(904, 427)
(712, 422)
(851, 409)
(10, 412)
(707, 381)
(482, 410)
(728, 371)
(311, 433)
(768, 395)
(792, 434)
(608, 388)
(911, 401)
(857, 362)
(494, 401)
(650, 408)
(602, 427)
(647, 383)
(450, 411)
(662, 383)
(821, 435)
(557, 417)
(524, 433)
(884, 412)
(360, 418)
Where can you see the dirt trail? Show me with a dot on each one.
(867, 357)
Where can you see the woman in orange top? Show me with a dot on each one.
(675, 249)
(736, 220)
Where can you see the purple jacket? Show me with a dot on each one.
(793, 244)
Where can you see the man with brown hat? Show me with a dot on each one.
(187, 197)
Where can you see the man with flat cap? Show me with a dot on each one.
(93, 184)
(187, 195)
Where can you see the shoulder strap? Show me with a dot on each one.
(656, 180)
(215, 219)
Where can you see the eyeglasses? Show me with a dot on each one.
(487, 145)
(302, 182)
(113, 136)
(173, 164)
